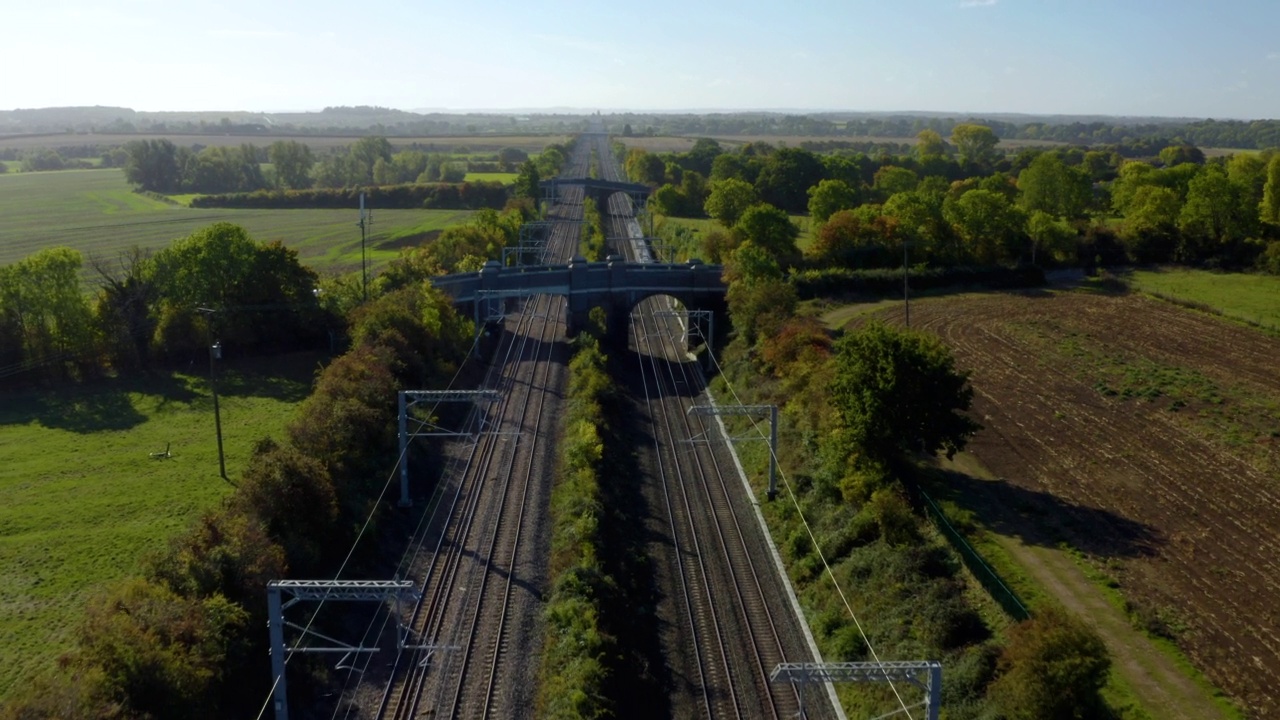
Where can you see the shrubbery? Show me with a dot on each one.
(445, 196)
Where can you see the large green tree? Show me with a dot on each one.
(771, 230)
(990, 226)
(293, 161)
(1049, 185)
(786, 176)
(898, 391)
(829, 197)
(1217, 216)
(729, 198)
(153, 165)
(976, 143)
(1270, 207)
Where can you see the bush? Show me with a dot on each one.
(1052, 669)
(844, 282)
(448, 196)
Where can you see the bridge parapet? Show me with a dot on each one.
(615, 285)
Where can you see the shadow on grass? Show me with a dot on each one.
(108, 404)
(1040, 518)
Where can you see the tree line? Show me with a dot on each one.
(1246, 134)
(158, 165)
(144, 309)
(961, 201)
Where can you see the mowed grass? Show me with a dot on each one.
(97, 213)
(1251, 298)
(505, 178)
(84, 503)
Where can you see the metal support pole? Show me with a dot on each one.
(275, 623)
(404, 455)
(217, 413)
(215, 350)
(934, 699)
(773, 451)
(751, 410)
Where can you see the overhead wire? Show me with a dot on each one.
(373, 510)
(813, 540)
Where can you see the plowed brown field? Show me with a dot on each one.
(1147, 435)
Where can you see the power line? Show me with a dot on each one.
(813, 541)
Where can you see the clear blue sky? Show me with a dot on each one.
(1208, 58)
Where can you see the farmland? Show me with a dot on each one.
(1144, 436)
(1251, 298)
(317, 143)
(88, 447)
(96, 212)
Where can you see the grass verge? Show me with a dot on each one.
(85, 502)
(1245, 297)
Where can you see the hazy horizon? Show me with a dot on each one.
(1145, 58)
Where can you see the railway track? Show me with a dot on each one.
(476, 624)
(726, 589)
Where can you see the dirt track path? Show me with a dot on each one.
(1159, 684)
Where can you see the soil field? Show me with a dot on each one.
(1148, 437)
(321, 143)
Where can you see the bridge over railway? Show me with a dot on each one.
(616, 286)
(598, 190)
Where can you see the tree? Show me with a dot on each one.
(829, 197)
(1052, 669)
(153, 165)
(364, 153)
(1270, 208)
(890, 180)
(293, 162)
(920, 220)
(1216, 217)
(786, 176)
(527, 180)
(989, 225)
(124, 312)
(976, 143)
(771, 230)
(1051, 236)
(898, 391)
(1048, 185)
(702, 155)
(44, 309)
(860, 237)
(729, 198)
(930, 145)
(1151, 224)
(510, 157)
(1179, 154)
(760, 299)
(644, 167)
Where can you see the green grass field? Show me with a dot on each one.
(702, 225)
(501, 177)
(84, 502)
(96, 212)
(1251, 298)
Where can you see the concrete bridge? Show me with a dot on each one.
(616, 286)
(598, 190)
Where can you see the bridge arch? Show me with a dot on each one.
(615, 285)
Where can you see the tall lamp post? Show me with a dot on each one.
(215, 353)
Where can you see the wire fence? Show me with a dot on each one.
(1005, 597)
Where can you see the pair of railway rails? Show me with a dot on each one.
(473, 639)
